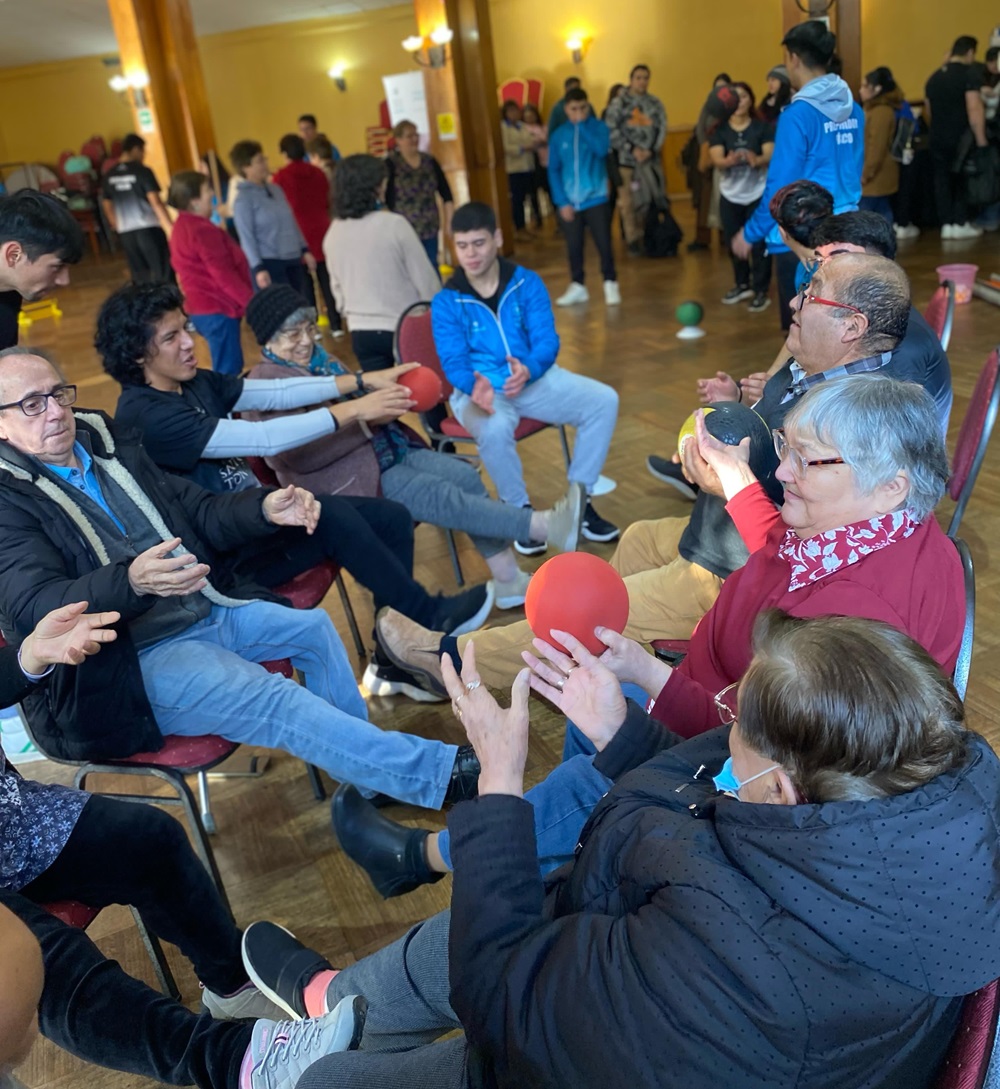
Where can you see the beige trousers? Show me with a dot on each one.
(626, 206)
(667, 597)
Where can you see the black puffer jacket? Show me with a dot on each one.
(99, 709)
(761, 947)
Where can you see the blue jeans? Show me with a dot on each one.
(881, 205)
(204, 681)
(565, 798)
(431, 246)
(558, 397)
(223, 336)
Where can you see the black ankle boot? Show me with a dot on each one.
(464, 783)
(393, 856)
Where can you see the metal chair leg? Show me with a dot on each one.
(164, 977)
(563, 438)
(455, 562)
(319, 791)
(201, 845)
(206, 806)
(352, 621)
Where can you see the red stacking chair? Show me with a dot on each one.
(414, 343)
(940, 312)
(80, 916)
(968, 1059)
(514, 89)
(973, 438)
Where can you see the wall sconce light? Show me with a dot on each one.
(118, 84)
(437, 52)
(336, 73)
(137, 82)
(577, 47)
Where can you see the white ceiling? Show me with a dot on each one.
(32, 31)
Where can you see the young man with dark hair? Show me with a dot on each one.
(557, 115)
(308, 129)
(131, 199)
(308, 193)
(39, 240)
(638, 124)
(953, 106)
(496, 337)
(578, 179)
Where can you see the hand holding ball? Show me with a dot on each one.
(731, 422)
(425, 388)
(576, 592)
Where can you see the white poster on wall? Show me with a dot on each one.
(407, 101)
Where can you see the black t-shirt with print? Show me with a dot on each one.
(126, 186)
(945, 93)
(176, 428)
(10, 307)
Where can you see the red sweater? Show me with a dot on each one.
(915, 585)
(308, 192)
(213, 272)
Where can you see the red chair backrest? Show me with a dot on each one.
(940, 312)
(536, 92)
(95, 149)
(263, 472)
(415, 342)
(515, 89)
(968, 1057)
(979, 419)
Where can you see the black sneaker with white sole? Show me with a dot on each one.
(670, 472)
(596, 528)
(463, 612)
(385, 679)
(759, 304)
(528, 547)
(737, 294)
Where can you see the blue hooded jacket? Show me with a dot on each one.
(470, 338)
(821, 137)
(578, 167)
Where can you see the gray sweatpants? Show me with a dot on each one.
(406, 985)
(443, 490)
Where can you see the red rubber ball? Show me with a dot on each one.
(425, 386)
(576, 592)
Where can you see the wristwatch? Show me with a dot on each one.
(359, 378)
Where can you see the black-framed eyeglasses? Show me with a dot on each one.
(36, 403)
(798, 463)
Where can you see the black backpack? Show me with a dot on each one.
(662, 235)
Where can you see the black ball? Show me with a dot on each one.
(731, 422)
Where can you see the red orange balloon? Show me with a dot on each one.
(576, 592)
(425, 386)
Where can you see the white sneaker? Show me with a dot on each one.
(248, 1004)
(280, 1052)
(911, 230)
(965, 230)
(510, 595)
(612, 293)
(575, 293)
(948, 230)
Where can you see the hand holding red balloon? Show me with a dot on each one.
(579, 685)
(425, 387)
(576, 593)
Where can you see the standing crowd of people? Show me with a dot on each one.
(771, 864)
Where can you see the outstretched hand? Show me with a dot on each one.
(580, 685)
(292, 506)
(500, 737)
(66, 636)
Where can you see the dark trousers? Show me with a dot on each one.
(127, 853)
(223, 336)
(539, 183)
(520, 190)
(370, 538)
(323, 275)
(598, 221)
(373, 348)
(733, 217)
(785, 265)
(949, 188)
(148, 255)
(293, 273)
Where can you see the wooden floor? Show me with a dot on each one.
(274, 844)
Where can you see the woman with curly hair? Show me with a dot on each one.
(378, 266)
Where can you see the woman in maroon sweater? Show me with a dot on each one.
(863, 466)
(213, 272)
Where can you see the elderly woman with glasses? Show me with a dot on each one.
(384, 457)
(799, 899)
(863, 466)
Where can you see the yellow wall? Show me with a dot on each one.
(260, 80)
(52, 107)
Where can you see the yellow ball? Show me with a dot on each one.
(687, 430)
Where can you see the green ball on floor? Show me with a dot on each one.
(689, 313)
